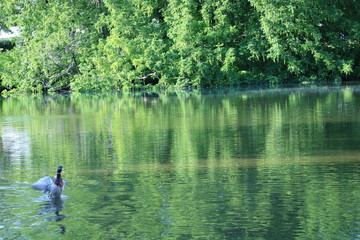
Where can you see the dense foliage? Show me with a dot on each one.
(113, 44)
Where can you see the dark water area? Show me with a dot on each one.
(222, 164)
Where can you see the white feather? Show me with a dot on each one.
(43, 184)
(46, 184)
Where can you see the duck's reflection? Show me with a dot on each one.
(53, 206)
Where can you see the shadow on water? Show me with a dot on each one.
(53, 207)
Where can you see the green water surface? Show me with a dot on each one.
(227, 164)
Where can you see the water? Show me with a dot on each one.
(227, 164)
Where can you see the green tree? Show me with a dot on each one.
(319, 38)
(110, 44)
(133, 51)
(55, 37)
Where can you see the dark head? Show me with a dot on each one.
(59, 169)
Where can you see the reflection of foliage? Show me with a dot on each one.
(183, 126)
(105, 132)
(235, 164)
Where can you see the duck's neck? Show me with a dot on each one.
(58, 180)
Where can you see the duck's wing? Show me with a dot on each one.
(43, 184)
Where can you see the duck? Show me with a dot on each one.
(52, 186)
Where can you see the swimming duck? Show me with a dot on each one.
(52, 186)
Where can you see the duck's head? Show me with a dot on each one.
(59, 169)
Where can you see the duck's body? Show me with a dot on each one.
(54, 187)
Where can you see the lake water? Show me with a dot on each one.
(227, 164)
